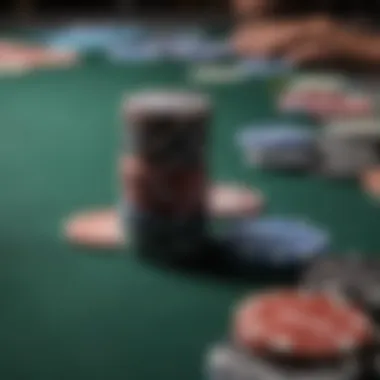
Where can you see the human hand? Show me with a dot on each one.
(306, 41)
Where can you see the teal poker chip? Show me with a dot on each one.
(276, 242)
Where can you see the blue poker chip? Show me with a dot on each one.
(88, 37)
(276, 242)
(281, 136)
(198, 49)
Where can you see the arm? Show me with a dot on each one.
(310, 40)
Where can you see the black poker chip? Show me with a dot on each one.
(356, 279)
(224, 361)
(331, 274)
(353, 277)
(166, 239)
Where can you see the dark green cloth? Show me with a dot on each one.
(73, 314)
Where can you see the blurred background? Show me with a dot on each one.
(35, 10)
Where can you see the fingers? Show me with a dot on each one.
(268, 39)
(307, 53)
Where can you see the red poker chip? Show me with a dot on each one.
(325, 104)
(300, 325)
(358, 106)
(16, 54)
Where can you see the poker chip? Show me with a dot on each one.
(358, 128)
(358, 105)
(370, 182)
(14, 68)
(301, 325)
(232, 201)
(354, 277)
(293, 102)
(225, 361)
(267, 67)
(197, 48)
(143, 51)
(321, 83)
(97, 229)
(281, 147)
(345, 157)
(215, 73)
(275, 136)
(93, 37)
(275, 242)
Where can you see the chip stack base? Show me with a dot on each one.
(173, 240)
(226, 362)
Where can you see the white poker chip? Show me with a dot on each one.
(320, 83)
(229, 201)
(175, 101)
(216, 74)
(100, 229)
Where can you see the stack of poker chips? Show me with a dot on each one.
(291, 334)
(164, 173)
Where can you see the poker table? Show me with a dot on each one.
(70, 313)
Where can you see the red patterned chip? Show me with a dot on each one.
(356, 105)
(300, 324)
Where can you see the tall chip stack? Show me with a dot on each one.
(164, 173)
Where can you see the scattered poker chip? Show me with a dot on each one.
(321, 83)
(232, 201)
(97, 229)
(358, 105)
(345, 157)
(264, 67)
(93, 37)
(370, 182)
(275, 136)
(209, 73)
(301, 324)
(358, 128)
(275, 242)
(354, 278)
(196, 48)
(14, 68)
(141, 52)
(282, 147)
(329, 106)
(225, 361)
(333, 274)
(21, 58)
(103, 228)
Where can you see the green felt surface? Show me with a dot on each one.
(70, 314)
